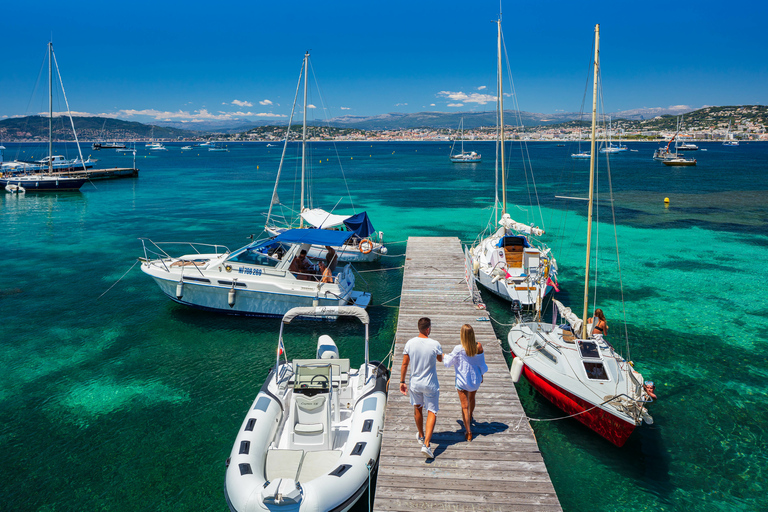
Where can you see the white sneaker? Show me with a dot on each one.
(426, 450)
(421, 439)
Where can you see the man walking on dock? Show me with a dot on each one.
(422, 353)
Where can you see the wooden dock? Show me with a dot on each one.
(502, 468)
(104, 174)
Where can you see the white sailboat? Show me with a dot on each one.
(576, 370)
(364, 243)
(472, 157)
(610, 148)
(312, 436)
(45, 175)
(508, 262)
(729, 140)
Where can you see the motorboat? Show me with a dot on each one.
(687, 146)
(218, 147)
(255, 280)
(506, 259)
(471, 157)
(312, 437)
(107, 145)
(581, 155)
(186, 148)
(14, 188)
(680, 161)
(157, 146)
(729, 140)
(573, 367)
(364, 244)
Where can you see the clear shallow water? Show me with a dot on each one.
(131, 402)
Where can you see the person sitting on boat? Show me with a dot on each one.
(325, 271)
(599, 323)
(330, 258)
(301, 267)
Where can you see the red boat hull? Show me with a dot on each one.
(604, 423)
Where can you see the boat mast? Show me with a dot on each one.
(591, 181)
(462, 135)
(303, 142)
(501, 129)
(50, 107)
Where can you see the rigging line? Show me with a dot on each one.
(525, 153)
(121, 277)
(379, 270)
(69, 113)
(327, 123)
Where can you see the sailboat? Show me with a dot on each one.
(581, 155)
(312, 437)
(610, 148)
(683, 145)
(729, 140)
(574, 368)
(31, 177)
(363, 243)
(508, 263)
(471, 157)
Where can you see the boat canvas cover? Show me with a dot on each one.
(322, 219)
(313, 237)
(359, 224)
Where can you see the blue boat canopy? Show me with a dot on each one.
(313, 236)
(360, 225)
(508, 241)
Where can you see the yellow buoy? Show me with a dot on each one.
(351, 158)
(666, 200)
(257, 167)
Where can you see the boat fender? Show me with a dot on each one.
(231, 296)
(180, 289)
(517, 369)
(381, 368)
(475, 267)
(365, 246)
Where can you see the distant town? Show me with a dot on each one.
(711, 123)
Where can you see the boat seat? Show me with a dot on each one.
(283, 463)
(311, 420)
(318, 463)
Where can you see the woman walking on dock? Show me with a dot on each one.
(468, 361)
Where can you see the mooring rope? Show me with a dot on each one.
(121, 277)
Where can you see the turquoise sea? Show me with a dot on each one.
(114, 398)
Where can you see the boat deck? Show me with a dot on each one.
(502, 468)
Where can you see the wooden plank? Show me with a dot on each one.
(502, 468)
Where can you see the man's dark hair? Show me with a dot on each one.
(424, 324)
(303, 252)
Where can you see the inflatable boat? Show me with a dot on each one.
(312, 437)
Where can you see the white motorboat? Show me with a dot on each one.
(581, 155)
(218, 148)
(468, 158)
(156, 146)
(576, 370)
(186, 148)
(508, 262)
(365, 244)
(312, 436)
(255, 280)
(729, 140)
(679, 161)
(14, 188)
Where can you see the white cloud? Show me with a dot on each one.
(431, 104)
(455, 105)
(197, 115)
(401, 104)
(344, 108)
(223, 102)
(311, 106)
(481, 88)
(480, 99)
(242, 103)
(264, 102)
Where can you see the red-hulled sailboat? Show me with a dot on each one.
(573, 368)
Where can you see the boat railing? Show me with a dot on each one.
(160, 254)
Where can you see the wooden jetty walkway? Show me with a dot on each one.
(502, 468)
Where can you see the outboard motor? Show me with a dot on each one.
(517, 309)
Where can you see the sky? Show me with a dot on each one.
(193, 61)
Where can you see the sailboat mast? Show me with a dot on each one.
(304, 141)
(501, 129)
(50, 107)
(591, 181)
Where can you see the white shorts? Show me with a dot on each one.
(427, 399)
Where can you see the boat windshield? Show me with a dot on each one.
(257, 256)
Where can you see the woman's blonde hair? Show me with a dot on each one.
(468, 340)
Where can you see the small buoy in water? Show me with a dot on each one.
(231, 297)
(351, 158)
(666, 200)
(257, 167)
(180, 289)
(517, 369)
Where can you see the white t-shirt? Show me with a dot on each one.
(423, 354)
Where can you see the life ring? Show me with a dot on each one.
(365, 246)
